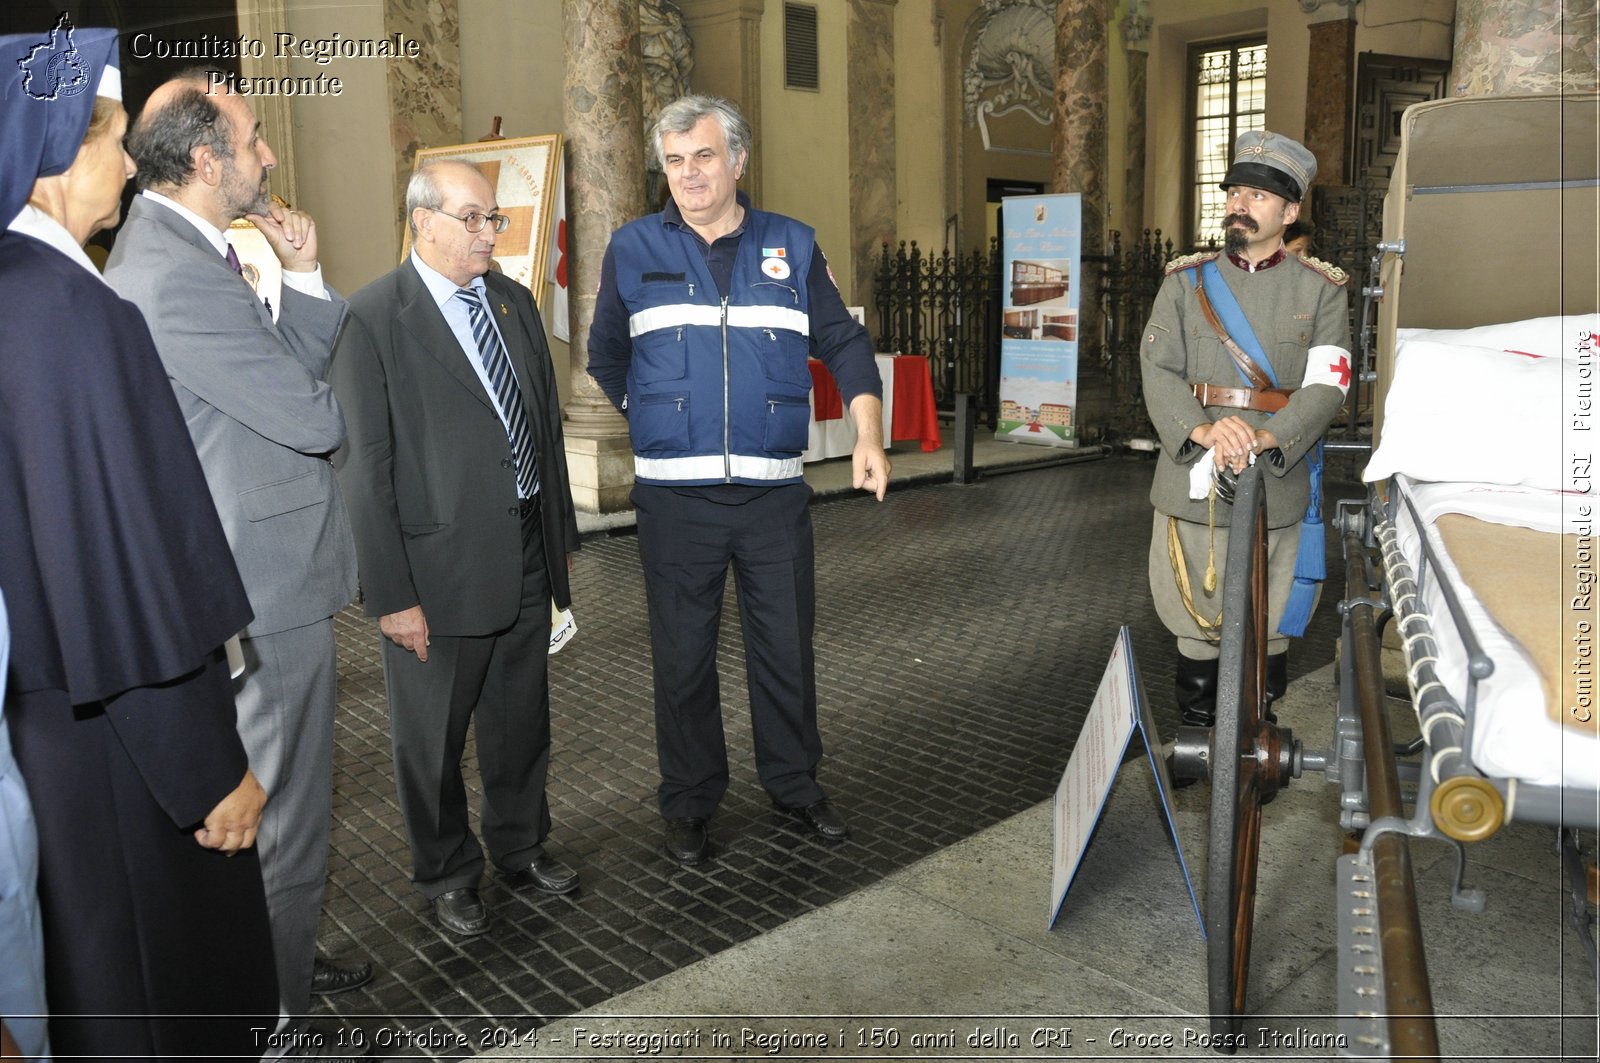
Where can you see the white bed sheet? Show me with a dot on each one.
(1513, 737)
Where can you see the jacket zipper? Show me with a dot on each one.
(727, 454)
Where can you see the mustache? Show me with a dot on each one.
(1244, 220)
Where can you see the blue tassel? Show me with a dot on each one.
(1297, 612)
(1312, 561)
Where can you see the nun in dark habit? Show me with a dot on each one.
(121, 591)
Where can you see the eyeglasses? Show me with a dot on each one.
(475, 221)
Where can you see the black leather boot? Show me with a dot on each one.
(1196, 687)
(1277, 683)
(1197, 691)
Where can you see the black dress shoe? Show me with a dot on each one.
(823, 819)
(461, 912)
(321, 1042)
(547, 874)
(688, 841)
(328, 977)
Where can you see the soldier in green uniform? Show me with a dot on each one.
(1246, 358)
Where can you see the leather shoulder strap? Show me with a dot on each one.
(1252, 372)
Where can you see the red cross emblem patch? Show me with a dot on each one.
(1341, 369)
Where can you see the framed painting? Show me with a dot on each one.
(523, 171)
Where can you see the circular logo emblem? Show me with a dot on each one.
(776, 268)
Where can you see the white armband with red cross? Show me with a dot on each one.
(1327, 364)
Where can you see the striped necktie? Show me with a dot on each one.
(506, 392)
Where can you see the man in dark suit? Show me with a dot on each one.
(456, 475)
(263, 420)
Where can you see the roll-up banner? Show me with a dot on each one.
(1039, 287)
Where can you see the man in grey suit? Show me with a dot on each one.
(264, 421)
(456, 474)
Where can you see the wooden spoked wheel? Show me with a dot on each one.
(1244, 759)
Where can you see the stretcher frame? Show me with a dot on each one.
(1460, 159)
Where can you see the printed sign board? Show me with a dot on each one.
(1119, 709)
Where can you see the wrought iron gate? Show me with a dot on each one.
(945, 307)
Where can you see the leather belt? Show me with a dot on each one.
(1265, 400)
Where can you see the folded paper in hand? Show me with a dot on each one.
(563, 628)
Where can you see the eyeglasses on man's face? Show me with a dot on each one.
(474, 221)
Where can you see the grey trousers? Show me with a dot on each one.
(285, 702)
(498, 684)
(1282, 545)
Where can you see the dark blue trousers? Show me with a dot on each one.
(687, 537)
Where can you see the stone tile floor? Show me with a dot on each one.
(961, 635)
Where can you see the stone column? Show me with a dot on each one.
(727, 62)
(869, 61)
(1080, 165)
(605, 189)
(1505, 47)
(1136, 41)
(1330, 72)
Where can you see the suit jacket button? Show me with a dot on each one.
(505, 463)
(512, 510)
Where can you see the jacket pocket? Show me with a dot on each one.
(286, 496)
(413, 529)
(783, 357)
(659, 423)
(661, 355)
(788, 423)
(1289, 360)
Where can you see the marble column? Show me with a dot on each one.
(727, 62)
(1330, 72)
(605, 189)
(1505, 47)
(1079, 151)
(1136, 42)
(869, 47)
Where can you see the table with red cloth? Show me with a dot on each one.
(908, 408)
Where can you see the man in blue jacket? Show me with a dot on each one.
(706, 314)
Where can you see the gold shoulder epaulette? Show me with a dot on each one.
(1333, 273)
(1188, 261)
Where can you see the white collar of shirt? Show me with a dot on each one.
(212, 234)
(442, 288)
(42, 227)
(305, 282)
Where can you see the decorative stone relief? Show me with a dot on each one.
(424, 95)
(1013, 65)
(1519, 46)
(1310, 6)
(667, 58)
(1136, 26)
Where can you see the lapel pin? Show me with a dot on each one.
(503, 310)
